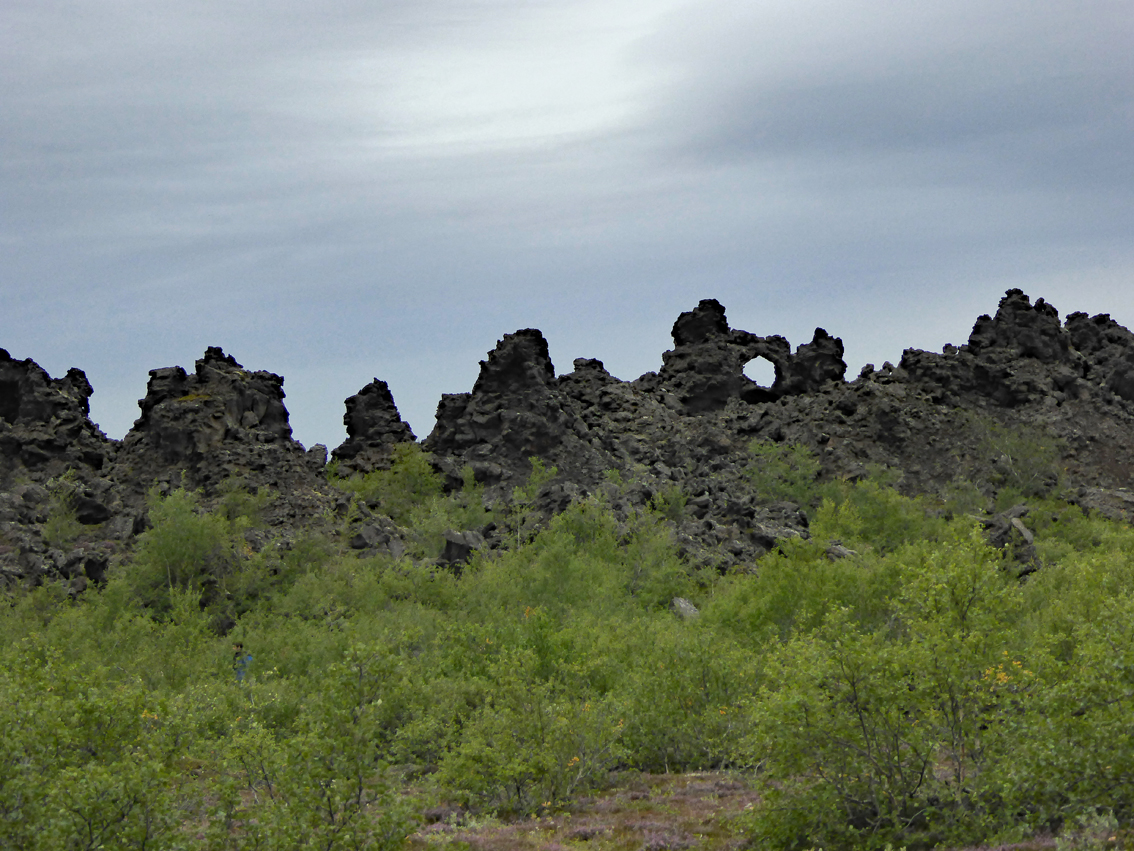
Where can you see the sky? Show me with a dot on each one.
(342, 191)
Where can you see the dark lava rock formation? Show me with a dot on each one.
(678, 437)
(222, 423)
(374, 427)
(44, 422)
(705, 368)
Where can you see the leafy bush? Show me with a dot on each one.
(531, 744)
(682, 697)
(185, 549)
(412, 493)
(324, 785)
(236, 502)
(86, 762)
(670, 502)
(409, 483)
(869, 514)
(869, 738)
(62, 526)
(783, 471)
(911, 693)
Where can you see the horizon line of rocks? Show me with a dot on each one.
(704, 370)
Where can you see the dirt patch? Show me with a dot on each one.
(643, 812)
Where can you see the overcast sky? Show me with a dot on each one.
(348, 190)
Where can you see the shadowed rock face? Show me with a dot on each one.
(1021, 330)
(374, 427)
(1109, 350)
(514, 412)
(44, 422)
(688, 425)
(219, 421)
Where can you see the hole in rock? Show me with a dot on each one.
(762, 371)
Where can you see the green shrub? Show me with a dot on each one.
(323, 786)
(408, 484)
(783, 471)
(682, 695)
(1072, 745)
(237, 502)
(580, 562)
(87, 762)
(670, 502)
(869, 738)
(531, 745)
(62, 527)
(869, 514)
(185, 549)
(795, 588)
(1022, 460)
(412, 493)
(521, 518)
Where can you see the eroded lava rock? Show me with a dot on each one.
(676, 439)
(374, 427)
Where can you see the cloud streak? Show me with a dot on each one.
(385, 189)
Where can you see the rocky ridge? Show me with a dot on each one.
(679, 436)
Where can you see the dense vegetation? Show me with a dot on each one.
(913, 692)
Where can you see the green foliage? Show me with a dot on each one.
(783, 471)
(868, 738)
(531, 744)
(401, 490)
(62, 527)
(911, 693)
(683, 697)
(581, 562)
(795, 589)
(870, 515)
(412, 493)
(1073, 749)
(1091, 831)
(185, 549)
(522, 518)
(237, 503)
(324, 786)
(670, 502)
(86, 762)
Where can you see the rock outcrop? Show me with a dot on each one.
(705, 368)
(1027, 397)
(219, 427)
(45, 427)
(221, 424)
(516, 411)
(374, 427)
